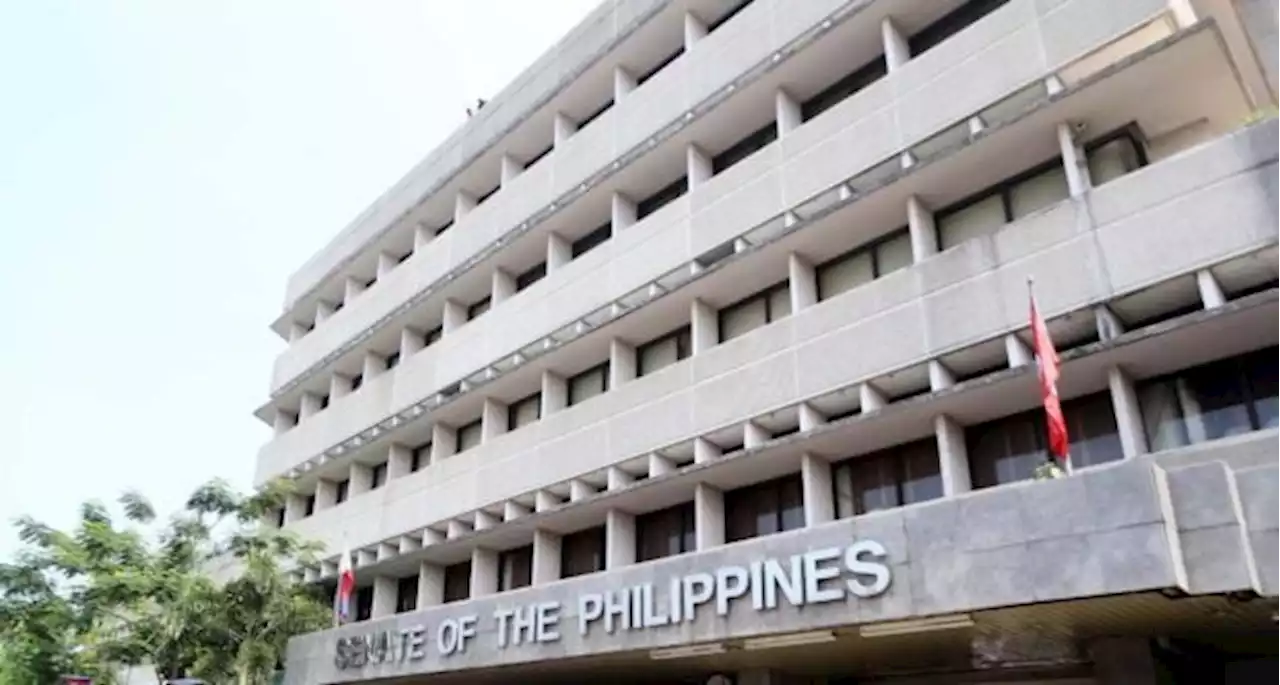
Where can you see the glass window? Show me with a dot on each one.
(592, 240)
(729, 14)
(662, 197)
(378, 476)
(421, 456)
(457, 582)
(279, 515)
(524, 411)
(531, 276)
(469, 435)
(1010, 449)
(596, 114)
(477, 308)
(341, 490)
(665, 533)
(515, 568)
(954, 22)
(653, 71)
(357, 381)
(1113, 158)
(845, 272)
(308, 505)
(899, 475)
(324, 402)
(837, 92)
(582, 552)
(407, 594)
(364, 603)
(433, 335)
(393, 360)
(1038, 191)
(1215, 400)
(893, 253)
(983, 217)
(744, 148)
(770, 507)
(663, 351)
(447, 225)
(588, 384)
(754, 311)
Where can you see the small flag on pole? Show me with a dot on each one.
(346, 587)
(1047, 363)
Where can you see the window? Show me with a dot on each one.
(582, 552)
(393, 360)
(356, 381)
(447, 225)
(1212, 401)
(665, 533)
(478, 307)
(433, 335)
(457, 582)
(537, 156)
(364, 603)
(420, 456)
(744, 148)
(1115, 155)
(653, 71)
(664, 351)
(954, 22)
(662, 197)
(592, 240)
(480, 199)
(733, 11)
(531, 276)
(378, 476)
(596, 114)
(1008, 450)
(515, 568)
(594, 381)
(891, 478)
(407, 594)
(864, 264)
(754, 311)
(309, 505)
(524, 411)
(337, 307)
(404, 257)
(324, 402)
(835, 93)
(341, 490)
(279, 517)
(469, 435)
(763, 509)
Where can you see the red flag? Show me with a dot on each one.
(346, 587)
(1047, 361)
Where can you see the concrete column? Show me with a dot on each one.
(384, 596)
(422, 234)
(1124, 402)
(786, 112)
(386, 262)
(622, 362)
(308, 405)
(953, 456)
(616, 479)
(708, 517)
(485, 520)
(699, 165)
(580, 490)
(623, 83)
(455, 314)
(504, 286)
(619, 539)
(295, 507)
(430, 585)
(622, 213)
(819, 495)
(374, 365)
(564, 127)
(923, 230)
(324, 310)
(399, 461)
(296, 331)
(444, 442)
(1017, 351)
(493, 419)
(559, 252)
(361, 479)
(352, 289)
(484, 572)
(804, 282)
(1073, 160)
(546, 557)
(705, 451)
(1109, 325)
(810, 418)
(463, 203)
(659, 465)
(411, 342)
(512, 510)
(1210, 292)
(511, 168)
(545, 500)
(555, 393)
(754, 435)
(694, 29)
(940, 377)
(705, 326)
(283, 421)
(870, 398)
(896, 50)
(326, 494)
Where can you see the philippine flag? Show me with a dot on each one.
(346, 587)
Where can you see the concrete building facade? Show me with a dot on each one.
(700, 354)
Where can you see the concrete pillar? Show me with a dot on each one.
(484, 572)
(617, 479)
(295, 507)
(361, 479)
(559, 252)
(463, 203)
(504, 286)
(708, 517)
(699, 165)
(374, 365)
(819, 494)
(659, 465)
(923, 230)
(555, 393)
(444, 442)
(580, 490)
(411, 342)
(786, 112)
(704, 325)
(619, 539)
(622, 362)
(399, 461)
(493, 419)
(485, 520)
(1073, 160)
(870, 398)
(754, 435)
(694, 30)
(511, 168)
(896, 49)
(563, 128)
(326, 494)
(296, 331)
(352, 289)
(940, 377)
(622, 213)
(1124, 402)
(512, 510)
(1210, 292)
(546, 557)
(386, 262)
(455, 314)
(623, 83)
(309, 404)
(804, 282)
(384, 596)
(545, 500)
(456, 529)
(810, 418)
(1017, 351)
(430, 585)
(324, 310)
(422, 234)
(705, 451)
(953, 456)
(1109, 325)
(283, 421)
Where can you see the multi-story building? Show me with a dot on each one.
(701, 354)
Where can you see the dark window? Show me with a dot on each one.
(480, 200)
(524, 411)
(378, 476)
(954, 22)
(662, 197)
(478, 307)
(1212, 401)
(515, 568)
(594, 381)
(1010, 449)
(341, 490)
(469, 436)
(457, 582)
(531, 276)
(404, 257)
(664, 351)
(393, 360)
(592, 240)
(537, 156)
(337, 307)
(755, 310)
(309, 505)
(357, 381)
(279, 514)
(900, 475)
(447, 225)
(763, 509)
(369, 283)
(433, 335)
(864, 264)
(849, 84)
(421, 456)
(364, 603)
(731, 13)
(596, 114)
(665, 533)
(744, 148)
(582, 552)
(406, 594)
(653, 71)
(324, 402)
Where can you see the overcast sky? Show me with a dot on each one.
(164, 166)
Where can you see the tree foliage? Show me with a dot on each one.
(110, 592)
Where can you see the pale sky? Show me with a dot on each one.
(164, 166)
